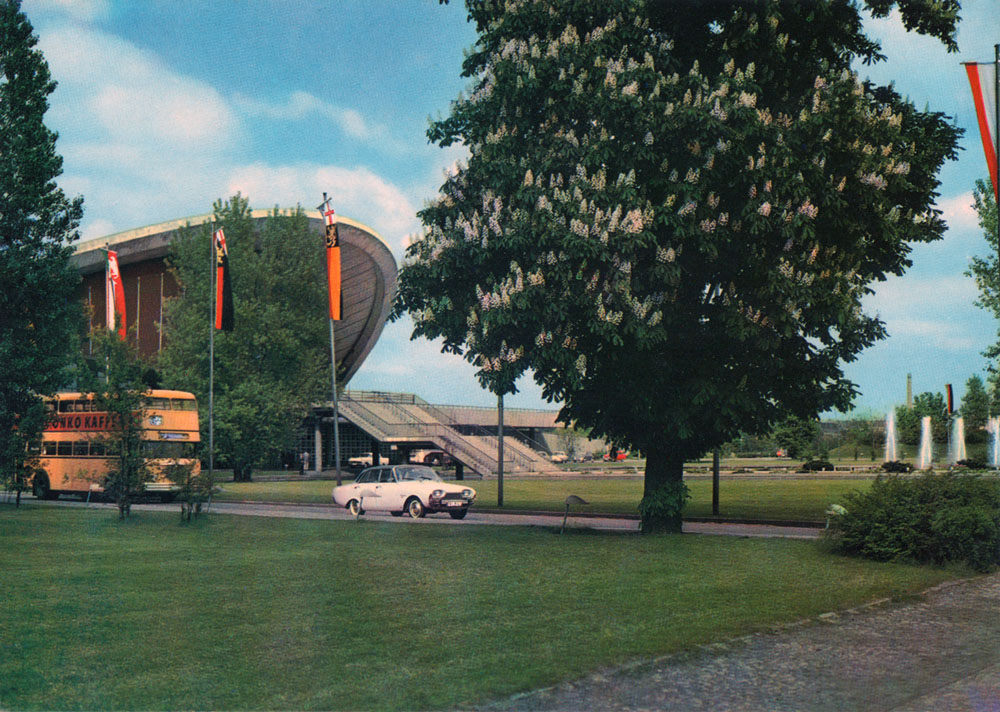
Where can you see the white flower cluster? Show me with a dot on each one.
(808, 209)
(875, 180)
(665, 255)
(543, 338)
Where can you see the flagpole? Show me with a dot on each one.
(211, 355)
(333, 372)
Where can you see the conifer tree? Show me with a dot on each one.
(39, 319)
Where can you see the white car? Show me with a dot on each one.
(398, 489)
(558, 457)
(365, 461)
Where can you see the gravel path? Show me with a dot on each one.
(940, 652)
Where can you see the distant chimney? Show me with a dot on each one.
(909, 391)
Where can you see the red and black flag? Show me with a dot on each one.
(223, 285)
(332, 262)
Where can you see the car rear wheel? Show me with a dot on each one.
(354, 507)
(414, 508)
(458, 514)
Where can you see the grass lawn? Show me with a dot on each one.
(250, 613)
(804, 498)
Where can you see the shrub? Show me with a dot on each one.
(896, 466)
(972, 463)
(817, 466)
(936, 519)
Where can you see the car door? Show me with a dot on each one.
(391, 491)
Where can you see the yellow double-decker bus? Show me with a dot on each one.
(73, 457)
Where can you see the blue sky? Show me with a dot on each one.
(164, 106)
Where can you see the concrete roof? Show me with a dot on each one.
(367, 266)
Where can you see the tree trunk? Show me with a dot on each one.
(664, 492)
(241, 473)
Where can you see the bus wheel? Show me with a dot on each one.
(40, 487)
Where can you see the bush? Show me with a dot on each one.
(896, 466)
(930, 519)
(972, 463)
(817, 466)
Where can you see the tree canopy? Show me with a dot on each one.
(672, 211)
(39, 319)
(275, 363)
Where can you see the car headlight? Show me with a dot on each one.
(437, 494)
(468, 494)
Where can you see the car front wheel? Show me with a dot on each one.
(414, 508)
(354, 507)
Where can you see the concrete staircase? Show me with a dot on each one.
(401, 418)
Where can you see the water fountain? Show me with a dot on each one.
(926, 455)
(890, 437)
(956, 450)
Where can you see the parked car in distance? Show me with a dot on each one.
(365, 461)
(558, 457)
(437, 457)
(404, 489)
(585, 457)
(615, 455)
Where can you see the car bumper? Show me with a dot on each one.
(449, 504)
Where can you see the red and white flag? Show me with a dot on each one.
(114, 296)
(983, 80)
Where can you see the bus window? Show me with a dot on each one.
(184, 404)
(97, 448)
(64, 448)
(66, 406)
(49, 447)
(80, 448)
(158, 403)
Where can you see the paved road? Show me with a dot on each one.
(314, 511)
(940, 653)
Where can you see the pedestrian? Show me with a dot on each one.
(303, 462)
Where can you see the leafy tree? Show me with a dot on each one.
(39, 319)
(908, 420)
(797, 435)
(671, 213)
(868, 433)
(985, 271)
(276, 361)
(121, 391)
(975, 409)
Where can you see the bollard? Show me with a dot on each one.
(572, 499)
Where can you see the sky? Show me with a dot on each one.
(163, 107)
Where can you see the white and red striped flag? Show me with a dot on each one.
(114, 297)
(983, 80)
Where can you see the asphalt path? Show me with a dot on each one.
(474, 518)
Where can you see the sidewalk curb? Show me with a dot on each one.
(552, 513)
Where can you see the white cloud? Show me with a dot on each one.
(936, 311)
(357, 193)
(302, 105)
(130, 96)
(959, 212)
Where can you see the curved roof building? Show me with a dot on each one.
(367, 266)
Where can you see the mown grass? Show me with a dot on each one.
(804, 499)
(250, 613)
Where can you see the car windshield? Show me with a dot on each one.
(417, 472)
